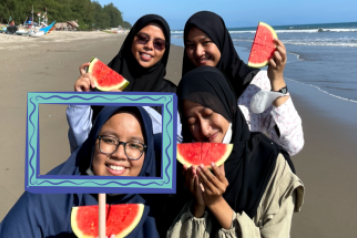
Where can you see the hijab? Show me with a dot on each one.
(238, 73)
(49, 215)
(142, 79)
(253, 159)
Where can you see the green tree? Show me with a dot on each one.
(127, 25)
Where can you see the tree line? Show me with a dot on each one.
(89, 14)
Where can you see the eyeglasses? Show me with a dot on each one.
(109, 144)
(143, 38)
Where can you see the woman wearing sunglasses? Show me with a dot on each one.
(208, 43)
(142, 60)
(120, 143)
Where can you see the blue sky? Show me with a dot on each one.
(238, 13)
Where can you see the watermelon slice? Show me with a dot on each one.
(105, 78)
(121, 220)
(194, 154)
(263, 46)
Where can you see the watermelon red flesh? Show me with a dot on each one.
(263, 46)
(121, 220)
(203, 153)
(105, 78)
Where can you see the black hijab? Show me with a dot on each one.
(238, 73)
(33, 221)
(253, 159)
(142, 79)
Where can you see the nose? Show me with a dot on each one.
(199, 51)
(119, 154)
(205, 127)
(149, 45)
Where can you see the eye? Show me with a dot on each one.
(135, 146)
(206, 43)
(191, 122)
(109, 140)
(207, 112)
(189, 45)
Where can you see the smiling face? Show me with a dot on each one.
(146, 45)
(200, 49)
(126, 127)
(205, 124)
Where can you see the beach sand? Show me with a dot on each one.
(327, 165)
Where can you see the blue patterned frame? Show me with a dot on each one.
(36, 183)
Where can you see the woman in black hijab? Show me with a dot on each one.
(142, 60)
(255, 192)
(49, 215)
(208, 43)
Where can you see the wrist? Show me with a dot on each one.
(277, 84)
(198, 210)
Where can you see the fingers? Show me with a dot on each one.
(209, 181)
(82, 68)
(280, 51)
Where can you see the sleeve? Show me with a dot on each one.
(157, 122)
(188, 226)
(23, 221)
(276, 226)
(283, 124)
(79, 119)
(283, 197)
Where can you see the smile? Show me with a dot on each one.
(116, 170)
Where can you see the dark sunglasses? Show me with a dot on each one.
(143, 38)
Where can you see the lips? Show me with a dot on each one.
(116, 170)
(212, 137)
(145, 57)
(202, 61)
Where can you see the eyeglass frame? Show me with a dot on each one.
(141, 34)
(121, 143)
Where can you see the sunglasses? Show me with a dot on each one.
(143, 38)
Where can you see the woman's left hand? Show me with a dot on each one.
(214, 184)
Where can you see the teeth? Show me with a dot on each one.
(118, 168)
(146, 55)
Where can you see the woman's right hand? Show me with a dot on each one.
(85, 82)
(194, 186)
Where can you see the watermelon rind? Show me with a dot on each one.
(124, 232)
(182, 160)
(265, 63)
(120, 86)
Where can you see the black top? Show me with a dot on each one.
(142, 79)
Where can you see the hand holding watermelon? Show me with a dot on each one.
(277, 62)
(85, 82)
(214, 184)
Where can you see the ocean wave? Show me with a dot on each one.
(323, 91)
(315, 42)
(300, 31)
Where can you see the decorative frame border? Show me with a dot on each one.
(36, 183)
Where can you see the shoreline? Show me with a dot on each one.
(326, 165)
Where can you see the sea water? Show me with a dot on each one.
(320, 55)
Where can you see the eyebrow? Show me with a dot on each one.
(203, 38)
(133, 138)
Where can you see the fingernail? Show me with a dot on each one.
(202, 166)
(213, 164)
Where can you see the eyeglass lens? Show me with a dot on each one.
(142, 38)
(110, 144)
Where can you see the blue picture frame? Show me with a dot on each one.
(36, 183)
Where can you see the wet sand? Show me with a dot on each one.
(327, 164)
